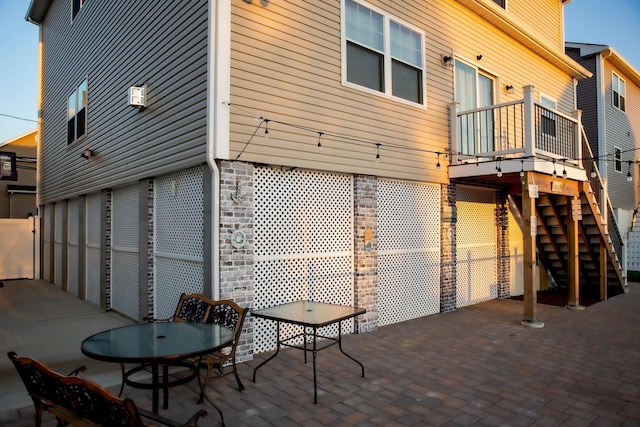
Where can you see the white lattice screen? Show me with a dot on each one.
(408, 251)
(303, 244)
(476, 252)
(125, 283)
(178, 238)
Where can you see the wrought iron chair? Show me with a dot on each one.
(227, 313)
(78, 401)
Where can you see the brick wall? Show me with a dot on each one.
(366, 251)
(447, 251)
(504, 259)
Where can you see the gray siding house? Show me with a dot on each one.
(381, 153)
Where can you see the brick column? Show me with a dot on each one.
(502, 246)
(237, 277)
(448, 260)
(366, 251)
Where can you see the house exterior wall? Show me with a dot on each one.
(622, 130)
(588, 99)
(116, 45)
(286, 66)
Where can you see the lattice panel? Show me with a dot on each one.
(178, 238)
(304, 239)
(476, 265)
(408, 251)
(125, 285)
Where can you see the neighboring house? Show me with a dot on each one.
(610, 102)
(355, 152)
(18, 176)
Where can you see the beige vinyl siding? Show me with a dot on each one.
(621, 132)
(286, 67)
(543, 17)
(116, 45)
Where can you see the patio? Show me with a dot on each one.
(475, 366)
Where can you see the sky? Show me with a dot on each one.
(611, 22)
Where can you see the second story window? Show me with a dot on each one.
(77, 113)
(548, 117)
(382, 54)
(619, 92)
(617, 160)
(501, 3)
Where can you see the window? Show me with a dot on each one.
(501, 3)
(475, 88)
(619, 92)
(548, 117)
(382, 54)
(76, 5)
(617, 154)
(77, 113)
(8, 170)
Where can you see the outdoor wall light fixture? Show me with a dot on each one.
(447, 60)
(510, 89)
(479, 57)
(86, 154)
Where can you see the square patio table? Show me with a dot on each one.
(309, 314)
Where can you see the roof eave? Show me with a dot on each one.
(37, 11)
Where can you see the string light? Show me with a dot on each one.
(564, 169)
(319, 137)
(521, 168)
(629, 177)
(593, 170)
(498, 168)
(266, 128)
(377, 151)
(555, 174)
(438, 164)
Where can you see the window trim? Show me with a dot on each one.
(76, 7)
(387, 58)
(500, 3)
(617, 159)
(622, 100)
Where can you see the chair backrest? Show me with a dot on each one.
(66, 395)
(192, 308)
(229, 314)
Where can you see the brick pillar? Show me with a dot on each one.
(237, 277)
(366, 251)
(448, 217)
(150, 248)
(107, 249)
(504, 259)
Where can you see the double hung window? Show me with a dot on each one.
(548, 125)
(618, 87)
(617, 159)
(77, 113)
(382, 54)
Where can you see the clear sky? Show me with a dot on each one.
(612, 22)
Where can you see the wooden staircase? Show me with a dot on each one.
(599, 242)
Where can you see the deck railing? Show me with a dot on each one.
(520, 128)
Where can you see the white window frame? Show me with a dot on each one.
(617, 159)
(388, 78)
(76, 6)
(503, 5)
(615, 89)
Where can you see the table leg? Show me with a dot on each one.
(274, 355)
(165, 386)
(342, 351)
(154, 389)
(315, 383)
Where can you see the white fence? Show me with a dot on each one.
(19, 248)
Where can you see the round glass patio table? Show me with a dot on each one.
(157, 344)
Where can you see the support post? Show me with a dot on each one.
(530, 221)
(573, 253)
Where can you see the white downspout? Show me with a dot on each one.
(218, 95)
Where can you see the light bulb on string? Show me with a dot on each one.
(629, 177)
(593, 170)
(564, 169)
(266, 128)
(319, 137)
(498, 168)
(555, 174)
(438, 164)
(377, 151)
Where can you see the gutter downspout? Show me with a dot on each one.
(218, 94)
